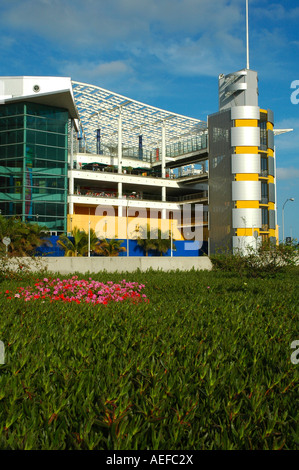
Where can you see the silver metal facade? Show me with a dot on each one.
(246, 191)
(238, 89)
(245, 137)
(246, 163)
(271, 166)
(220, 182)
(271, 190)
(270, 116)
(270, 139)
(272, 219)
(247, 218)
(245, 112)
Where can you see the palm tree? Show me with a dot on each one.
(111, 247)
(95, 243)
(145, 241)
(71, 248)
(25, 237)
(79, 245)
(160, 242)
(163, 243)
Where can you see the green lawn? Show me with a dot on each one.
(206, 364)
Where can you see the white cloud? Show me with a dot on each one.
(287, 173)
(185, 37)
(288, 142)
(86, 22)
(277, 12)
(107, 74)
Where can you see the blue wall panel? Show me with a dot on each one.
(183, 248)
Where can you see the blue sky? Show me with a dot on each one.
(167, 53)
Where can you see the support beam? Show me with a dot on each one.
(163, 157)
(120, 196)
(71, 178)
(119, 155)
(164, 200)
(119, 149)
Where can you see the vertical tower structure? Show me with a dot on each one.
(241, 155)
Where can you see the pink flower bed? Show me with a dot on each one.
(80, 291)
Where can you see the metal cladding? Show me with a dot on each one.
(246, 191)
(245, 112)
(246, 163)
(245, 137)
(247, 218)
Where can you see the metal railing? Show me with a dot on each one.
(190, 144)
(141, 197)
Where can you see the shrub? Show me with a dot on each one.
(267, 260)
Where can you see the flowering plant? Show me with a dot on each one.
(80, 291)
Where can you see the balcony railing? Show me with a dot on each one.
(190, 144)
(141, 197)
(144, 172)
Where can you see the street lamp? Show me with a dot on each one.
(89, 234)
(289, 199)
(171, 237)
(132, 194)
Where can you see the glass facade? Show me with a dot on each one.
(33, 163)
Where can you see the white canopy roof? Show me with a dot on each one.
(99, 109)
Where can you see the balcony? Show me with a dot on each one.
(182, 147)
(200, 196)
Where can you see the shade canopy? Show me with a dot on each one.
(100, 109)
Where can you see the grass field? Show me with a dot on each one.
(204, 362)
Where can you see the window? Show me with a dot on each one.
(264, 166)
(263, 132)
(264, 193)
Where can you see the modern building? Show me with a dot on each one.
(77, 155)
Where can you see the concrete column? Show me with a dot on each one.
(119, 155)
(163, 164)
(163, 157)
(120, 196)
(119, 150)
(71, 179)
(164, 200)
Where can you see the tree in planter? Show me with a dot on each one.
(79, 245)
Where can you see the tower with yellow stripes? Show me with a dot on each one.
(242, 195)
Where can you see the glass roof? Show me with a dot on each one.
(99, 109)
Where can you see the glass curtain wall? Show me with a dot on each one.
(33, 163)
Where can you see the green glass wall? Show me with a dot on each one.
(33, 163)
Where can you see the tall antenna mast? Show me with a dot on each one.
(247, 35)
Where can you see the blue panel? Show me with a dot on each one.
(51, 248)
(183, 248)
